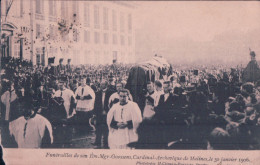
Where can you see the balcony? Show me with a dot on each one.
(52, 19)
(39, 16)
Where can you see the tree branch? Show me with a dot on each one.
(9, 6)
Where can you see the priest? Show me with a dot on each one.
(31, 130)
(85, 97)
(67, 95)
(63, 130)
(123, 120)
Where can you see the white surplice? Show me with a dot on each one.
(7, 98)
(85, 105)
(116, 96)
(66, 94)
(119, 138)
(29, 133)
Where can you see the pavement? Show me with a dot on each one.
(84, 140)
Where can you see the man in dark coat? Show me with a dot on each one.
(68, 67)
(252, 72)
(100, 110)
(42, 98)
(50, 70)
(1, 154)
(62, 112)
(164, 117)
(165, 103)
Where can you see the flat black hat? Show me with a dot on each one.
(88, 80)
(196, 72)
(182, 79)
(111, 76)
(63, 79)
(167, 82)
(76, 76)
(51, 60)
(61, 59)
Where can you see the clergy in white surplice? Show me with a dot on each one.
(31, 130)
(85, 97)
(123, 120)
(67, 96)
(7, 99)
(114, 98)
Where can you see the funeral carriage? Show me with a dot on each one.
(155, 69)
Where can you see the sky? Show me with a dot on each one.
(202, 31)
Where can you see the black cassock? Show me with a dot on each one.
(61, 69)
(62, 126)
(44, 101)
(58, 120)
(68, 69)
(58, 112)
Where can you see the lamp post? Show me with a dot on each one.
(31, 30)
(21, 48)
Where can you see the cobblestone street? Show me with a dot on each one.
(84, 140)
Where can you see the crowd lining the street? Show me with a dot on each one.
(194, 108)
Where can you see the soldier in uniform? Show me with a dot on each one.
(51, 70)
(68, 67)
(61, 67)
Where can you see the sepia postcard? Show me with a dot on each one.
(130, 82)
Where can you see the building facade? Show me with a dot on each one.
(88, 32)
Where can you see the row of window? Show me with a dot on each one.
(114, 54)
(96, 11)
(88, 56)
(115, 39)
(17, 50)
(97, 36)
(17, 8)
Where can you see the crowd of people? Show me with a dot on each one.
(202, 108)
(62, 94)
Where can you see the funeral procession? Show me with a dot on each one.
(129, 75)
